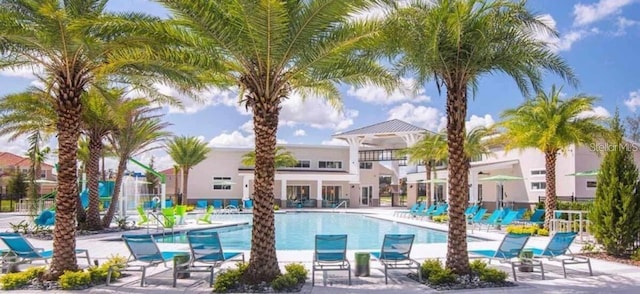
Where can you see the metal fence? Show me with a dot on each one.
(570, 198)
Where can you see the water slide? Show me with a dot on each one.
(48, 216)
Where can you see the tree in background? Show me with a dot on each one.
(633, 127)
(186, 152)
(17, 185)
(431, 149)
(283, 158)
(152, 179)
(616, 210)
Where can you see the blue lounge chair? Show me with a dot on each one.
(412, 209)
(424, 210)
(510, 248)
(558, 247)
(521, 213)
(505, 221)
(202, 204)
(442, 209)
(536, 217)
(22, 248)
(493, 218)
(330, 254)
(478, 216)
(144, 253)
(234, 203)
(205, 249)
(247, 204)
(217, 204)
(471, 210)
(46, 218)
(395, 252)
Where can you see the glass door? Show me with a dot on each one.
(367, 193)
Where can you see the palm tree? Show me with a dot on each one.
(455, 43)
(551, 124)
(176, 172)
(186, 152)
(429, 150)
(272, 49)
(61, 38)
(37, 156)
(140, 130)
(283, 158)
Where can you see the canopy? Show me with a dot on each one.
(589, 173)
(501, 178)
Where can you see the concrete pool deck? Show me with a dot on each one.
(608, 277)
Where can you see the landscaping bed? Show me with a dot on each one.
(439, 278)
(606, 257)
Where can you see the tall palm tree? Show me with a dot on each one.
(37, 156)
(140, 130)
(455, 43)
(429, 150)
(283, 158)
(60, 38)
(272, 49)
(551, 125)
(186, 152)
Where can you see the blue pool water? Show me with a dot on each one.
(296, 231)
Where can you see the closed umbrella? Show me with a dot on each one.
(501, 179)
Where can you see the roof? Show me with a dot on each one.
(10, 159)
(388, 127)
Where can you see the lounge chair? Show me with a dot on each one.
(144, 253)
(25, 252)
(168, 203)
(471, 210)
(441, 210)
(144, 219)
(505, 221)
(521, 213)
(205, 249)
(46, 218)
(478, 216)
(202, 204)
(412, 209)
(217, 204)
(169, 217)
(395, 252)
(247, 204)
(206, 217)
(330, 254)
(423, 209)
(234, 203)
(558, 247)
(510, 248)
(493, 218)
(536, 217)
(181, 213)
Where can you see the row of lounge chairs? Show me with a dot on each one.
(421, 210)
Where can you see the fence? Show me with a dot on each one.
(570, 198)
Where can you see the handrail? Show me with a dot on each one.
(158, 222)
(343, 202)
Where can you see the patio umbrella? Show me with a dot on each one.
(589, 173)
(500, 179)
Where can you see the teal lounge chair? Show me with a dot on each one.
(217, 204)
(144, 253)
(493, 218)
(558, 247)
(206, 255)
(22, 248)
(46, 218)
(423, 209)
(510, 248)
(330, 254)
(441, 210)
(536, 217)
(471, 210)
(413, 209)
(478, 216)
(202, 204)
(395, 252)
(505, 221)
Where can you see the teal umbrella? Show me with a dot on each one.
(589, 173)
(500, 179)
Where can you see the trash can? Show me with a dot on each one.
(526, 257)
(362, 264)
(181, 265)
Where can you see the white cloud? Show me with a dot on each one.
(479, 121)
(427, 117)
(25, 72)
(234, 139)
(299, 133)
(623, 23)
(407, 91)
(597, 111)
(633, 101)
(247, 127)
(18, 146)
(564, 41)
(335, 142)
(316, 113)
(585, 14)
(209, 97)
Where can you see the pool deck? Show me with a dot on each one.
(608, 277)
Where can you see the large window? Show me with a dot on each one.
(538, 172)
(366, 165)
(331, 194)
(330, 164)
(298, 193)
(537, 186)
(222, 183)
(303, 164)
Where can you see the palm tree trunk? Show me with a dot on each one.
(429, 167)
(104, 173)
(263, 265)
(93, 169)
(108, 217)
(457, 255)
(550, 191)
(68, 109)
(185, 181)
(177, 189)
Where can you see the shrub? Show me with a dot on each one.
(286, 282)
(430, 266)
(71, 280)
(520, 229)
(276, 207)
(492, 275)
(230, 278)
(588, 247)
(443, 276)
(13, 281)
(616, 210)
(190, 208)
(298, 271)
(543, 232)
(116, 260)
(440, 218)
(636, 255)
(477, 266)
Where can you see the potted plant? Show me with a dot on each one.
(526, 257)
(181, 262)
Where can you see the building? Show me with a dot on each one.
(10, 163)
(327, 176)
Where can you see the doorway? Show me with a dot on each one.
(366, 195)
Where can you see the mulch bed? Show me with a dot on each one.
(607, 257)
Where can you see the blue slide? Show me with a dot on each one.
(48, 217)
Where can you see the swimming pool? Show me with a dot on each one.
(296, 231)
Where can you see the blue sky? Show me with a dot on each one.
(599, 40)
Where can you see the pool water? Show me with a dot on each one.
(296, 231)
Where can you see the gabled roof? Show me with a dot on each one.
(10, 159)
(388, 127)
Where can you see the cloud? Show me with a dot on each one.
(299, 133)
(335, 142)
(233, 139)
(479, 121)
(316, 113)
(247, 127)
(427, 117)
(377, 95)
(633, 101)
(211, 96)
(597, 111)
(564, 41)
(25, 72)
(585, 14)
(623, 23)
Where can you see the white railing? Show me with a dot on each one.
(343, 202)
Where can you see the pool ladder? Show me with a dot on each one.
(159, 224)
(343, 202)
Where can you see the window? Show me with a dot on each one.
(366, 165)
(303, 164)
(298, 193)
(440, 163)
(330, 164)
(592, 184)
(43, 174)
(331, 195)
(222, 183)
(25, 171)
(538, 172)
(479, 192)
(538, 185)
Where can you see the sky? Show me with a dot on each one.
(598, 39)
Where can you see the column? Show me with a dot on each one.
(245, 188)
(283, 193)
(319, 193)
(473, 189)
(354, 156)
